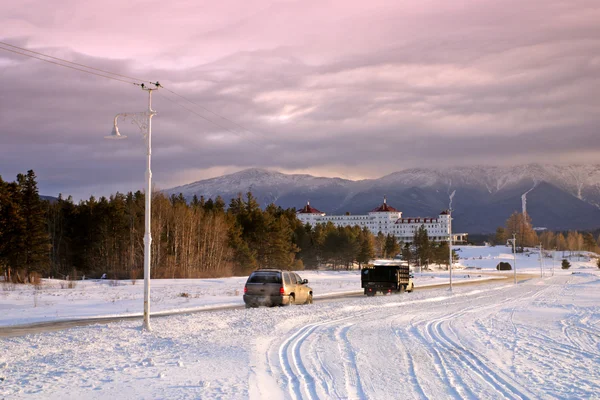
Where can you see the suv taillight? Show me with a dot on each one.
(245, 289)
(281, 291)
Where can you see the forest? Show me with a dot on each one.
(199, 238)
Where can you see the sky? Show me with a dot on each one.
(354, 89)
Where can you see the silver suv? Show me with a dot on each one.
(274, 287)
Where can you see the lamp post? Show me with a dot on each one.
(450, 244)
(541, 263)
(144, 122)
(450, 234)
(513, 241)
(553, 259)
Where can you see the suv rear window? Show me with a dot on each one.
(265, 277)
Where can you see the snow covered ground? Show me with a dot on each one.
(537, 339)
(103, 298)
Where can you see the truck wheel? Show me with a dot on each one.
(412, 287)
(402, 288)
(370, 294)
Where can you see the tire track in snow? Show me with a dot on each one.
(469, 358)
(581, 336)
(455, 383)
(438, 340)
(442, 370)
(443, 364)
(294, 378)
(354, 388)
(411, 364)
(301, 384)
(473, 362)
(326, 382)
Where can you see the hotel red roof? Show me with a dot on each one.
(307, 209)
(384, 207)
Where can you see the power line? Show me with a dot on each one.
(218, 115)
(73, 63)
(209, 120)
(131, 80)
(68, 66)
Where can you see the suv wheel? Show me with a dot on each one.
(292, 300)
(309, 299)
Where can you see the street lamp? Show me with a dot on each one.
(144, 121)
(513, 241)
(450, 234)
(541, 263)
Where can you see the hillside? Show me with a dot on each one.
(558, 197)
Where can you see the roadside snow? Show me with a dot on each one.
(105, 298)
(538, 339)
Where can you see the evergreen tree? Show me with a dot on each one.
(36, 250)
(422, 246)
(441, 254)
(219, 205)
(12, 228)
(367, 247)
(501, 236)
(391, 247)
(589, 243)
(407, 254)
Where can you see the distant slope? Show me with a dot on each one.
(560, 197)
(51, 199)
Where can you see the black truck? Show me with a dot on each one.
(386, 276)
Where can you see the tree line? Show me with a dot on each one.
(199, 238)
(202, 237)
(521, 225)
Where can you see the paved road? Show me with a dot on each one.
(39, 327)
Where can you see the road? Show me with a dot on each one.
(50, 326)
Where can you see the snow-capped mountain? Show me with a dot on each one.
(582, 181)
(557, 197)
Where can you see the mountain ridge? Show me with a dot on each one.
(491, 191)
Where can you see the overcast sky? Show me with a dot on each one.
(355, 89)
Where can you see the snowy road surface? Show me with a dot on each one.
(539, 339)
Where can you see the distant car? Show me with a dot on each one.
(274, 287)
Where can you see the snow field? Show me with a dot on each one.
(538, 339)
(105, 298)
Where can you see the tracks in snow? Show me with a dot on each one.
(437, 354)
(301, 383)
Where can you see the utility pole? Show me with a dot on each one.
(513, 241)
(450, 235)
(450, 245)
(541, 263)
(144, 122)
(553, 260)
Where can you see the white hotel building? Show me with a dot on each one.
(387, 220)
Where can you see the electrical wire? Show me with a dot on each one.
(214, 113)
(130, 80)
(74, 63)
(68, 66)
(209, 120)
